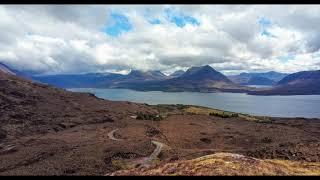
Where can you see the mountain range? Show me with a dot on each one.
(300, 83)
(268, 78)
(198, 79)
(195, 79)
(90, 80)
(202, 79)
(99, 80)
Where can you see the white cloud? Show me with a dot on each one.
(70, 39)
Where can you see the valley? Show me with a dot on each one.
(159, 90)
(50, 131)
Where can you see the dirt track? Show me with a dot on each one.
(111, 135)
(157, 151)
(148, 161)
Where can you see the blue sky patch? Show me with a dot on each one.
(179, 18)
(148, 14)
(286, 58)
(265, 24)
(119, 24)
(154, 21)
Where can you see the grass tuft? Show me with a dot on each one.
(151, 117)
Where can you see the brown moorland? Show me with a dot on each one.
(50, 131)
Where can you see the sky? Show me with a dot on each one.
(68, 39)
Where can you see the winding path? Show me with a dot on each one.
(111, 135)
(154, 154)
(149, 159)
(156, 151)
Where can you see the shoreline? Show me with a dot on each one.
(251, 93)
(188, 103)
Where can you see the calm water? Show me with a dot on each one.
(278, 106)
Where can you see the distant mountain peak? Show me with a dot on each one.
(150, 72)
(205, 67)
(203, 73)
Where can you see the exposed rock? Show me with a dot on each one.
(205, 140)
(8, 149)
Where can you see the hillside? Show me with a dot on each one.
(21, 73)
(6, 69)
(227, 164)
(300, 83)
(28, 108)
(275, 76)
(296, 78)
(50, 131)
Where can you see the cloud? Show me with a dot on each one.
(53, 39)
